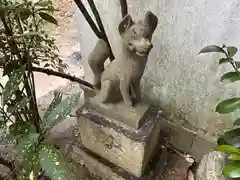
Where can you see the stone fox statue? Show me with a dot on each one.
(121, 78)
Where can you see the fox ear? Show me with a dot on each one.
(125, 24)
(151, 20)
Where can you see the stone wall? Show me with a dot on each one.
(186, 85)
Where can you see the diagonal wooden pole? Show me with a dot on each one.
(101, 27)
(124, 7)
(101, 34)
(88, 18)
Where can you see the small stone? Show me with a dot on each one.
(211, 166)
(189, 159)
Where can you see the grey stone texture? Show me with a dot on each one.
(185, 140)
(93, 165)
(126, 147)
(186, 85)
(211, 166)
(120, 112)
(121, 78)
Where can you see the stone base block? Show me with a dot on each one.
(94, 165)
(120, 112)
(126, 147)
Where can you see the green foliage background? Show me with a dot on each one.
(229, 142)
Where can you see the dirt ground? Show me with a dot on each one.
(67, 41)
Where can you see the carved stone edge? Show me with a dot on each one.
(117, 170)
(151, 171)
(119, 117)
(139, 135)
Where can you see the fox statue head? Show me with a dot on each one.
(137, 37)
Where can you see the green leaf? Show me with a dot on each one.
(19, 105)
(48, 18)
(50, 9)
(27, 148)
(30, 164)
(62, 110)
(230, 77)
(229, 149)
(26, 34)
(27, 142)
(56, 101)
(43, 3)
(237, 122)
(225, 60)
(21, 129)
(231, 50)
(232, 169)
(3, 10)
(228, 106)
(212, 48)
(12, 84)
(10, 67)
(25, 13)
(231, 137)
(51, 162)
(235, 157)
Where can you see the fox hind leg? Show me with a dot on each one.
(103, 95)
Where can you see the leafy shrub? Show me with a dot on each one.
(229, 142)
(24, 44)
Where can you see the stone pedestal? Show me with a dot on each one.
(128, 146)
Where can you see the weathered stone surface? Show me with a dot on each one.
(121, 78)
(77, 170)
(211, 166)
(166, 165)
(63, 133)
(94, 166)
(186, 140)
(119, 111)
(122, 145)
(66, 90)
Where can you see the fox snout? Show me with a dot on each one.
(142, 46)
(145, 44)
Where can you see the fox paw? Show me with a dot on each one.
(131, 108)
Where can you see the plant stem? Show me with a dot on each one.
(30, 79)
(33, 101)
(10, 33)
(62, 75)
(35, 118)
(34, 19)
(232, 63)
(5, 114)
